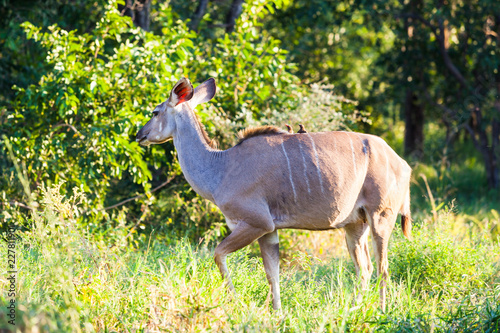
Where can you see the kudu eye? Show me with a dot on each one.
(155, 113)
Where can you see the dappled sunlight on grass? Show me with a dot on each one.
(316, 244)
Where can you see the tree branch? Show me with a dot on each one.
(136, 197)
(138, 10)
(446, 57)
(198, 14)
(234, 12)
(22, 205)
(219, 25)
(438, 32)
(454, 114)
(69, 126)
(421, 19)
(19, 204)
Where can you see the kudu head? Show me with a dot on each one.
(183, 98)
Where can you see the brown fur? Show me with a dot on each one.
(406, 225)
(251, 132)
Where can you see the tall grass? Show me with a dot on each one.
(73, 280)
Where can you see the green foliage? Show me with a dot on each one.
(447, 56)
(336, 42)
(441, 263)
(77, 124)
(21, 60)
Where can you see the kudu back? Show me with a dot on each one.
(273, 180)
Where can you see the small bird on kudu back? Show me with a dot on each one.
(301, 129)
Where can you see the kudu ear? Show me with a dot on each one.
(203, 93)
(182, 92)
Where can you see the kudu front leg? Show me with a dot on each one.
(270, 250)
(243, 235)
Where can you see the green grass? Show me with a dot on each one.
(71, 280)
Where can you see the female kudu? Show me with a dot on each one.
(273, 180)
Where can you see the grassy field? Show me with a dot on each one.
(445, 280)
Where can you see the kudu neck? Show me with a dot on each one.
(202, 165)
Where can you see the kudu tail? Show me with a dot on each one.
(406, 216)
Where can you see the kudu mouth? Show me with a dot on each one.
(141, 141)
(141, 137)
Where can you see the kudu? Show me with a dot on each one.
(274, 180)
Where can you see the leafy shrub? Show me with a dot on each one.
(438, 261)
(77, 125)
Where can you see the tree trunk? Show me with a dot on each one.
(198, 14)
(234, 13)
(490, 149)
(414, 125)
(491, 159)
(495, 126)
(494, 180)
(138, 10)
(487, 149)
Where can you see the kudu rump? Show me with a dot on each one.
(274, 180)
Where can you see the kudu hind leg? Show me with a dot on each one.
(269, 248)
(382, 225)
(356, 236)
(243, 235)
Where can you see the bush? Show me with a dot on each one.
(77, 125)
(438, 261)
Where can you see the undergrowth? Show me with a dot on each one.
(72, 280)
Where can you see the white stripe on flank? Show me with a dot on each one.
(353, 155)
(305, 168)
(160, 125)
(289, 171)
(317, 162)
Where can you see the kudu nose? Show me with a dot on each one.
(141, 135)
